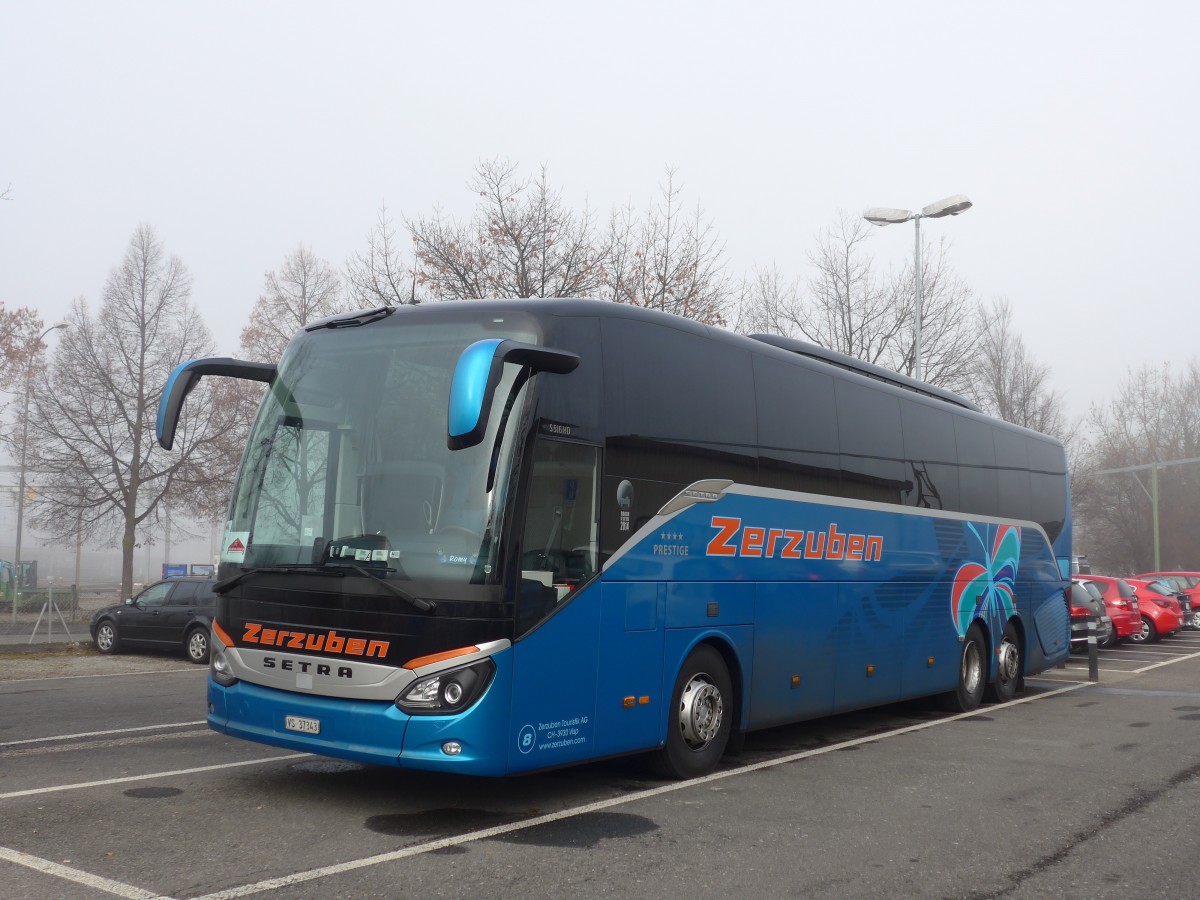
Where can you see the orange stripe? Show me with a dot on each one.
(438, 657)
(220, 633)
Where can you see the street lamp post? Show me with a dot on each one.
(17, 571)
(951, 206)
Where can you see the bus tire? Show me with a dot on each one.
(1010, 667)
(700, 717)
(972, 673)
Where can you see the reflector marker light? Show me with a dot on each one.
(220, 633)
(439, 657)
(629, 702)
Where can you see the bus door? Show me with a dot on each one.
(558, 609)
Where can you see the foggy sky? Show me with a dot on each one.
(239, 131)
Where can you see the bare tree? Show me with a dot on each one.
(949, 317)
(521, 242)
(768, 302)
(19, 329)
(304, 289)
(379, 277)
(846, 307)
(671, 259)
(20, 361)
(1152, 419)
(1009, 383)
(92, 416)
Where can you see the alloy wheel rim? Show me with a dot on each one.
(701, 711)
(197, 645)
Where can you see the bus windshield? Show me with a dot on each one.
(347, 463)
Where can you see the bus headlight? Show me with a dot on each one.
(448, 692)
(220, 669)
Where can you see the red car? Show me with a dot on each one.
(1186, 583)
(1120, 600)
(1159, 610)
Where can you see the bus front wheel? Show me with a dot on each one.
(700, 717)
(972, 673)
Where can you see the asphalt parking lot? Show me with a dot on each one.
(110, 785)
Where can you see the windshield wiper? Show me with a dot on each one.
(222, 586)
(337, 570)
(419, 602)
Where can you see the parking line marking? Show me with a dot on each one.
(104, 745)
(78, 876)
(87, 734)
(1166, 662)
(30, 792)
(485, 833)
(104, 675)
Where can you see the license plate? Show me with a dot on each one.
(302, 724)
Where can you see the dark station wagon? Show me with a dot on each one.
(175, 614)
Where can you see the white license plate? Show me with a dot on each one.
(301, 724)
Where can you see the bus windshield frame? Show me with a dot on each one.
(347, 463)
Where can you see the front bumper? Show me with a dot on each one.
(368, 731)
(1080, 629)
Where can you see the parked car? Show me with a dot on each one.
(1120, 600)
(1185, 583)
(172, 614)
(1158, 608)
(1087, 611)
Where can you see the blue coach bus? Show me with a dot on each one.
(495, 537)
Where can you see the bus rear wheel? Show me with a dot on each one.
(972, 674)
(700, 717)
(1009, 667)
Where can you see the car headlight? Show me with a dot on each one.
(220, 669)
(448, 692)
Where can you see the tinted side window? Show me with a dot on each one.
(678, 386)
(871, 444)
(1012, 475)
(1047, 485)
(679, 405)
(574, 399)
(797, 427)
(977, 466)
(183, 595)
(931, 455)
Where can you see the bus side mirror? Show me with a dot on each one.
(185, 376)
(478, 372)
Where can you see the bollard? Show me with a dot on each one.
(1093, 652)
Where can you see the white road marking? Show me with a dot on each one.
(102, 745)
(124, 890)
(1166, 662)
(78, 876)
(131, 778)
(103, 675)
(88, 734)
(484, 833)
